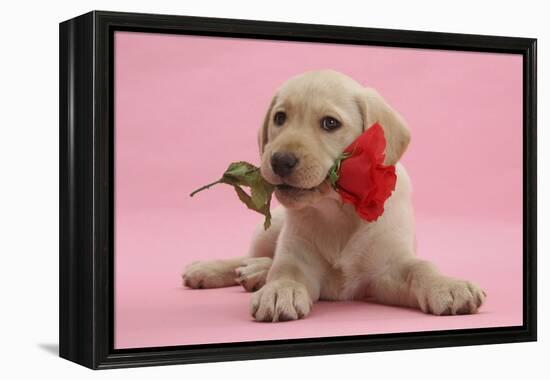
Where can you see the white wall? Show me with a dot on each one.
(29, 188)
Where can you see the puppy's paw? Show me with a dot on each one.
(253, 273)
(209, 274)
(449, 296)
(280, 300)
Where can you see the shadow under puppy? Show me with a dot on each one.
(317, 247)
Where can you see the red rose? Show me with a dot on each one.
(364, 180)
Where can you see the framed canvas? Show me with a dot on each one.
(330, 119)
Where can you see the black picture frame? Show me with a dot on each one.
(86, 188)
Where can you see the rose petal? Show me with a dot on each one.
(364, 180)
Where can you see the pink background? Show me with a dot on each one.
(185, 107)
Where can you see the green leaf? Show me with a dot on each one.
(262, 209)
(240, 174)
(267, 213)
(261, 192)
(245, 198)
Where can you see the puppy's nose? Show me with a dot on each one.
(283, 163)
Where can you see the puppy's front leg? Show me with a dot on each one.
(442, 295)
(249, 271)
(417, 283)
(293, 284)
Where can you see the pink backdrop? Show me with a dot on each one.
(187, 106)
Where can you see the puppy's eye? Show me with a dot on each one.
(279, 118)
(329, 123)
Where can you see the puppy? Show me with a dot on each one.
(317, 247)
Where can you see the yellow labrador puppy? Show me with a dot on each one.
(318, 248)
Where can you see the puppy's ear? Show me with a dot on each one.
(262, 133)
(374, 109)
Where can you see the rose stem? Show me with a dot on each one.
(205, 187)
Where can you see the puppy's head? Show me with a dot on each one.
(312, 118)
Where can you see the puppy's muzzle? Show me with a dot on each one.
(283, 163)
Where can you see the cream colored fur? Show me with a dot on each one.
(317, 247)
